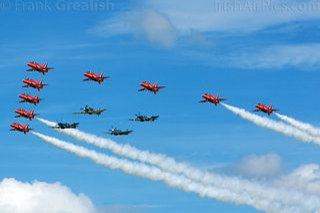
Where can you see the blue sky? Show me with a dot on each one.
(245, 56)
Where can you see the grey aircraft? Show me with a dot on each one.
(89, 111)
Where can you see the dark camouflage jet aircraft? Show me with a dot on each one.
(117, 132)
(143, 118)
(66, 126)
(90, 111)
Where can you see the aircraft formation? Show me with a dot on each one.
(90, 76)
(26, 98)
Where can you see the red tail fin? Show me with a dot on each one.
(26, 126)
(155, 84)
(31, 112)
(40, 81)
(217, 95)
(100, 74)
(36, 96)
(45, 65)
(270, 106)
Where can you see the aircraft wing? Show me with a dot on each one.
(153, 118)
(126, 132)
(99, 111)
(79, 113)
(256, 110)
(74, 125)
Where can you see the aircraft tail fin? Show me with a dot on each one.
(217, 95)
(45, 65)
(155, 84)
(26, 126)
(270, 106)
(31, 111)
(36, 96)
(100, 74)
(40, 81)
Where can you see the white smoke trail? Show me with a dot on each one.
(172, 180)
(306, 127)
(254, 190)
(273, 125)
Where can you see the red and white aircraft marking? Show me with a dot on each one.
(28, 98)
(38, 67)
(94, 77)
(25, 114)
(150, 87)
(18, 127)
(212, 99)
(32, 83)
(265, 109)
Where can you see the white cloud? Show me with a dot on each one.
(305, 178)
(304, 55)
(301, 56)
(148, 23)
(156, 27)
(260, 165)
(199, 39)
(165, 20)
(39, 197)
(230, 15)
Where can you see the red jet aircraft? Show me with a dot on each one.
(18, 127)
(265, 109)
(94, 77)
(210, 98)
(32, 83)
(39, 68)
(148, 86)
(23, 113)
(28, 98)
